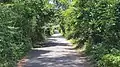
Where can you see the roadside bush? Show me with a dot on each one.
(110, 60)
(22, 25)
(13, 43)
(94, 23)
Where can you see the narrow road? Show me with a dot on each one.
(56, 53)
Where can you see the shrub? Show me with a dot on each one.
(110, 60)
(94, 23)
(21, 26)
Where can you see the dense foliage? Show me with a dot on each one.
(95, 23)
(22, 24)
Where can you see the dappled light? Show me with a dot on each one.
(59, 55)
(59, 33)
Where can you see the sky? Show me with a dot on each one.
(51, 1)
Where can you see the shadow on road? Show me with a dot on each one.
(55, 53)
(64, 61)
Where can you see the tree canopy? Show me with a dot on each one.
(91, 23)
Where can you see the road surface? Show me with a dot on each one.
(57, 52)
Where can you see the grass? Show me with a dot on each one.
(75, 45)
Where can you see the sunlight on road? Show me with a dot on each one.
(59, 39)
(58, 53)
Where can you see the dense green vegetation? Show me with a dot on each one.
(94, 23)
(22, 25)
